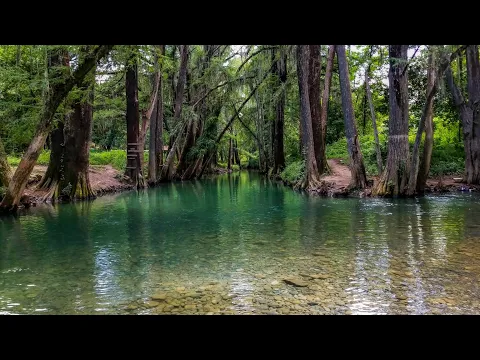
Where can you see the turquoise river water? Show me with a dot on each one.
(240, 244)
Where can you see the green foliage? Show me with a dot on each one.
(116, 158)
(447, 156)
(294, 172)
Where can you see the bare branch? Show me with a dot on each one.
(255, 53)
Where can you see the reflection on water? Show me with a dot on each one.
(225, 244)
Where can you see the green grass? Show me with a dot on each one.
(116, 158)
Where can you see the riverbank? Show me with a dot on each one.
(104, 179)
(336, 184)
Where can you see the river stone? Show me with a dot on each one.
(401, 297)
(151, 304)
(260, 276)
(295, 281)
(319, 276)
(159, 296)
(190, 307)
(306, 276)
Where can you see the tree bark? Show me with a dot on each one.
(394, 178)
(324, 105)
(134, 152)
(5, 171)
(469, 114)
(230, 152)
(314, 96)
(168, 168)
(357, 168)
(419, 173)
(57, 92)
(374, 122)
(155, 159)
(311, 180)
(67, 176)
(278, 147)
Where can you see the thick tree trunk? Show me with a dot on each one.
(56, 163)
(418, 175)
(374, 123)
(324, 105)
(314, 96)
(67, 176)
(134, 151)
(357, 168)
(5, 171)
(78, 132)
(469, 114)
(394, 178)
(168, 169)
(57, 92)
(311, 180)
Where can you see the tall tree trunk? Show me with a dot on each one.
(324, 105)
(230, 152)
(134, 164)
(57, 92)
(469, 114)
(278, 147)
(236, 154)
(5, 171)
(357, 168)
(56, 161)
(314, 96)
(394, 178)
(168, 168)
(421, 174)
(311, 180)
(374, 122)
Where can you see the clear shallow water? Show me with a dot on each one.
(224, 245)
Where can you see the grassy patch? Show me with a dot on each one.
(116, 158)
(294, 172)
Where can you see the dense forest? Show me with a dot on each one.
(397, 114)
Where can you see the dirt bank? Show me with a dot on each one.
(336, 183)
(339, 178)
(104, 179)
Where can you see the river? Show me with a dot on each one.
(225, 245)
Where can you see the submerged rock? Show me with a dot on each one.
(296, 281)
(159, 296)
